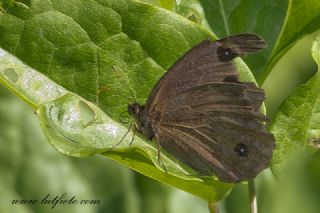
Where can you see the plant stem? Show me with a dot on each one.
(252, 197)
(213, 207)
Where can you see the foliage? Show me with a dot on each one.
(297, 123)
(78, 64)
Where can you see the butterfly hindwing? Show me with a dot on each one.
(221, 131)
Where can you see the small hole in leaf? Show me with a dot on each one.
(192, 17)
(11, 75)
(86, 113)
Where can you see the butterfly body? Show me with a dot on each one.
(201, 114)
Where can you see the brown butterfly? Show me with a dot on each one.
(201, 114)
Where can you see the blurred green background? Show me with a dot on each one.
(31, 168)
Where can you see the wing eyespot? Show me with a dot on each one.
(226, 54)
(241, 149)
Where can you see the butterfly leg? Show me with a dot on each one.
(132, 139)
(123, 137)
(159, 158)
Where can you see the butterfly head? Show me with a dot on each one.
(135, 109)
(142, 124)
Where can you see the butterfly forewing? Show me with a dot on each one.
(202, 115)
(213, 95)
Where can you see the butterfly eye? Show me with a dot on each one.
(241, 149)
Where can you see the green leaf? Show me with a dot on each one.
(78, 96)
(72, 47)
(192, 10)
(30, 169)
(62, 121)
(280, 23)
(4, 4)
(167, 4)
(297, 123)
(302, 18)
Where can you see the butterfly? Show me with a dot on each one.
(201, 114)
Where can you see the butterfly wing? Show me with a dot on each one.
(204, 63)
(209, 120)
(207, 133)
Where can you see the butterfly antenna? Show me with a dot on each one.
(126, 83)
(104, 89)
(132, 139)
